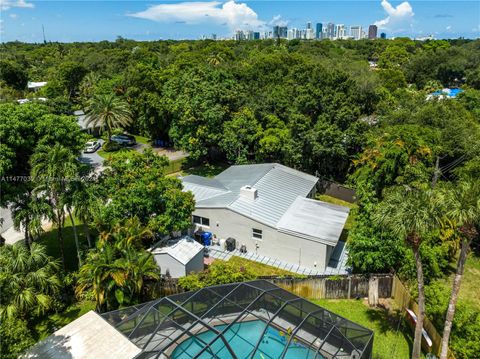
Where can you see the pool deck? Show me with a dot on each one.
(336, 266)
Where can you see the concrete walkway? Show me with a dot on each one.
(336, 266)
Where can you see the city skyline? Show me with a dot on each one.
(69, 21)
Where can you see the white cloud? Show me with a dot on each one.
(232, 14)
(396, 16)
(278, 21)
(13, 16)
(7, 4)
(448, 28)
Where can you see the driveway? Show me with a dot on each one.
(6, 229)
(93, 159)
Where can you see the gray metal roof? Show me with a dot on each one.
(183, 250)
(281, 202)
(314, 220)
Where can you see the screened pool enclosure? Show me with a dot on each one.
(243, 320)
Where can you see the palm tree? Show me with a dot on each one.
(28, 280)
(28, 212)
(409, 213)
(117, 270)
(215, 59)
(53, 168)
(463, 202)
(108, 112)
(85, 204)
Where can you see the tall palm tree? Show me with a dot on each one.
(85, 204)
(28, 212)
(28, 280)
(409, 213)
(463, 202)
(108, 112)
(53, 168)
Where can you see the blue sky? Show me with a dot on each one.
(150, 20)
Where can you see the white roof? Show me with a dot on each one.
(33, 85)
(277, 187)
(315, 220)
(87, 337)
(280, 203)
(183, 250)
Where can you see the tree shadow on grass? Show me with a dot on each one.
(50, 240)
(391, 321)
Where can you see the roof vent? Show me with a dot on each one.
(249, 193)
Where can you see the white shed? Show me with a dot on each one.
(179, 259)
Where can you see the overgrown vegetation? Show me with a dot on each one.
(316, 106)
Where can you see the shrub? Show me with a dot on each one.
(110, 146)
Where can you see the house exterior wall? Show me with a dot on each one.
(195, 264)
(225, 223)
(170, 265)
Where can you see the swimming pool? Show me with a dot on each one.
(242, 338)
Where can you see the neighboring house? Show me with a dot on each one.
(179, 259)
(268, 208)
(35, 86)
(82, 122)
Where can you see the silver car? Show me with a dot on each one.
(91, 146)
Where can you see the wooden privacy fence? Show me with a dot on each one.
(402, 299)
(337, 287)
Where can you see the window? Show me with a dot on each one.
(257, 233)
(201, 221)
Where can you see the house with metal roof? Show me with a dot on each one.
(179, 258)
(268, 209)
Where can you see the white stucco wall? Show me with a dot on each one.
(176, 269)
(225, 223)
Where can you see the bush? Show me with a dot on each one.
(110, 146)
(16, 338)
(220, 272)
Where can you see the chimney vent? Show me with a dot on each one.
(249, 193)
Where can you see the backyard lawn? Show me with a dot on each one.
(50, 240)
(389, 341)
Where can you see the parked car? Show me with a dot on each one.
(91, 146)
(124, 139)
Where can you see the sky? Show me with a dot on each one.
(69, 21)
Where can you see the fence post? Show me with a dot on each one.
(373, 291)
(349, 296)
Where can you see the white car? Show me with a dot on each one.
(91, 146)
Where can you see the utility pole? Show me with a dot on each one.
(436, 172)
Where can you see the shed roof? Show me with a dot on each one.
(89, 336)
(183, 250)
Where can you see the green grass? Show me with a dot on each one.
(260, 269)
(142, 139)
(53, 322)
(50, 240)
(388, 343)
(469, 287)
(175, 166)
(205, 169)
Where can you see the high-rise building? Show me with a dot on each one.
(383, 35)
(309, 25)
(356, 32)
(330, 30)
(256, 35)
(318, 33)
(282, 31)
(372, 32)
(276, 31)
(340, 31)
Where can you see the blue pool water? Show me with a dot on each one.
(448, 92)
(242, 338)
